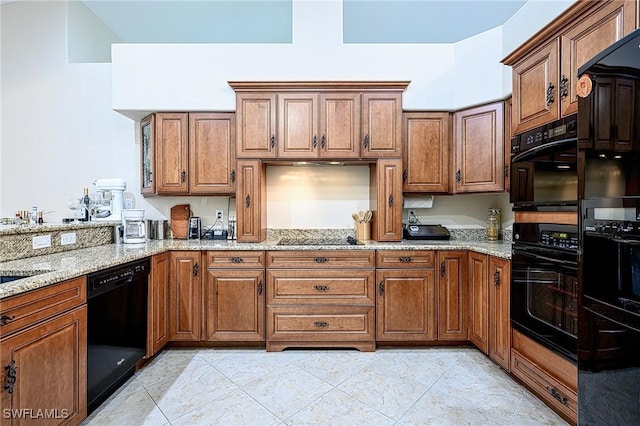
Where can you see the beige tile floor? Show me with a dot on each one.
(436, 386)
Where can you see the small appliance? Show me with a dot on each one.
(413, 231)
(194, 228)
(134, 226)
(116, 187)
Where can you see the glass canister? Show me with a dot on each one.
(493, 224)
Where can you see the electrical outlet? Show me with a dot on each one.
(220, 214)
(128, 203)
(41, 241)
(68, 238)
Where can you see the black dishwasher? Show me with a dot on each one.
(116, 327)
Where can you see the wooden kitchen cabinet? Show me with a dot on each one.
(427, 141)
(405, 307)
(256, 125)
(251, 203)
(479, 149)
(478, 276)
(340, 118)
(386, 200)
(381, 125)
(234, 293)
(499, 313)
(185, 297)
(545, 68)
(194, 154)
(320, 298)
(298, 125)
(44, 348)
(612, 104)
(158, 311)
(452, 295)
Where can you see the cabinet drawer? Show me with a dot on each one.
(25, 309)
(323, 259)
(545, 386)
(321, 323)
(286, 286)
(235, 259)
(405, 259)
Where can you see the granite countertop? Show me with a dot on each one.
(48, 269)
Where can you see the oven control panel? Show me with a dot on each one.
(567, 240)
(613, 227)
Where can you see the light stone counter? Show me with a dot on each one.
(53, 268)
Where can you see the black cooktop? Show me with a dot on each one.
(319, 241)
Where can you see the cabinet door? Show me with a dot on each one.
(479, 141)
(147, 155)
(158, 312)
(172, 157)
(452, 295)
(251, 201)
(256, 125)
(234, 305)
(587, 38)
(613, 114)
(508, 134)
(386, 186)
(212, 153)
(426, 144)
(499, 317)
(298, 125)
(405, 308)
(479, 301)
(185, 296)
(49, 363)
(535, 95)
(339, 125)
(381, 124)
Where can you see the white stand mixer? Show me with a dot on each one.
(116, 186)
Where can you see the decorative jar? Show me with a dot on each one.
(493, 224)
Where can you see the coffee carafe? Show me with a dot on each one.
(134, 226)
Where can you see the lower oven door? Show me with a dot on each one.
(544, 297)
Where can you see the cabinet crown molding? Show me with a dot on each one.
(333, 86)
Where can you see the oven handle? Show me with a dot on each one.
(549, 259)
(608, 318)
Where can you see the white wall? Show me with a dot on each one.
(59, 131)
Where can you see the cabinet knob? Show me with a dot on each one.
(323, 141)
(233, 176)
(321, 288)
(550, 89)
(236, 260)
(321, 324)
(390, 201)
(315, 141)
(321, 259)
(183, 176)
(273, 141)
(405, 175)
(366, 141)
(405, 259)
(260, 288)
(459, 176)
(496, 278)
(247, 201)
(196, 269)
(443, 269)
(6, 319)
(381, 288)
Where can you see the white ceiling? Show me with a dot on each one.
(239, 21)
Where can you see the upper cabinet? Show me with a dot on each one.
(425, 152)
(386, 200)
(188, 153)
(310, 120)
(479, 149)
(545, 68)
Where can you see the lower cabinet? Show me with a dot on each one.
(405, 307)
(489, 323)
(452, 295)
(158, 310)
(548, 375)
(320, 299)
(234, 296)
(185, 296)
(43, 354)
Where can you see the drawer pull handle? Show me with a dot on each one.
(321, 259)
(443, 269)
(260, 287)
(557, 395)
(11, 376)
(406, 259)
(236, 259)
(321, 288)
(6, 319)
(496, 278)
(321, 324)
(381, 288)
